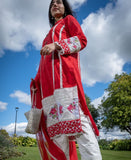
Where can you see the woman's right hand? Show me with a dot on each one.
(49, 48)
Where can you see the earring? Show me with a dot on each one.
(52, 18)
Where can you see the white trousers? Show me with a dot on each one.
(87, 142)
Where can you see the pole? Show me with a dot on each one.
(16, 108)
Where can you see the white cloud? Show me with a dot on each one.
(22, 97)
(20, 129)
(96, 102)
(76, 3)
(114, 134)
(3, 106)
(24, 22)
(109, 35)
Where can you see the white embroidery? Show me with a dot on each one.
(73, 43)
(64, 97)
(70, 45)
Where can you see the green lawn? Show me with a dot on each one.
(116, 155)
(32, 153)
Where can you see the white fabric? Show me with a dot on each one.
(63, 143)
(88, 145)
(63, 97)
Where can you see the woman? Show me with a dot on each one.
(58, 82)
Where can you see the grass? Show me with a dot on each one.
(32, 153)
(116, 155)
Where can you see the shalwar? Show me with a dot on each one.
(87, 142)
(60, 95)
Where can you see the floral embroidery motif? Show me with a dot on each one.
(55, 111)
(64, 119)
(72, 107)
(60, 109)
(70, 45)
(73, 43)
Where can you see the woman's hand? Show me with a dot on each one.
(47, 49)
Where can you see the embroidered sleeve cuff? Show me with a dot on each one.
(68, 46)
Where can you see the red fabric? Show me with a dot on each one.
(65, 127)
(73, 28)
(73, 151)
(70, 64)
(48, 143)
(43, 139)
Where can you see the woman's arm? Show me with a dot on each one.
(77, 40)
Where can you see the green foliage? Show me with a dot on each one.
(5, 139)
(121, 145)
(24, 141)
(104, 144)
(94, 112)
(7, 148)
(116, 109)
(117, 145)
(7, 144)
(4, 133)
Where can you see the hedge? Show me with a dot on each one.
(117, 145)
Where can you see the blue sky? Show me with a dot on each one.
(106, 24)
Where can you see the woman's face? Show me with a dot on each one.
(57, 9)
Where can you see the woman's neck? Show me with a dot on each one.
(57, 18)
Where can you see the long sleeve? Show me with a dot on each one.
(76, 41)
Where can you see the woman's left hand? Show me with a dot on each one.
(47, 49)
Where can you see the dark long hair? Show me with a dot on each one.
(68, 11)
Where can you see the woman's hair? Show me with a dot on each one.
(68, 11)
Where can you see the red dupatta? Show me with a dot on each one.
(48, 149)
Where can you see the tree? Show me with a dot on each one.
(94, 112)
(116, 108)
(7, 149)
(4, 132)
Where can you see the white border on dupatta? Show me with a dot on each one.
(61, 84)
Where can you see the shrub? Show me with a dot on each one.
(117, 145)
(7, 148)
(24, 141)
(104, 144)
(121, 145)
